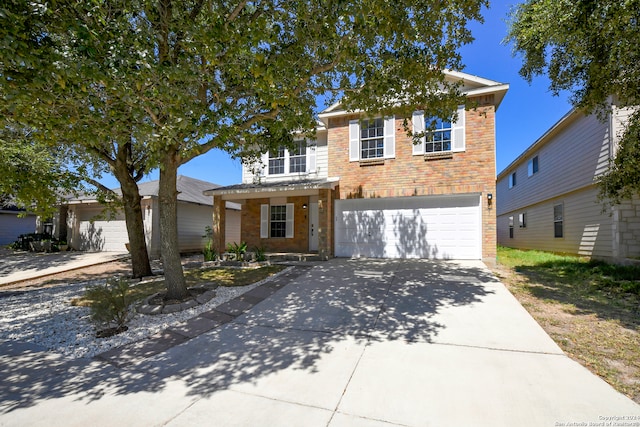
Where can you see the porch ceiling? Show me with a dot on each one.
(273, 189)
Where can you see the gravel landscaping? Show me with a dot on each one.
(46, 317)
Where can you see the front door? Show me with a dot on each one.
(313, 227)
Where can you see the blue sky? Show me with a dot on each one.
(526, 112)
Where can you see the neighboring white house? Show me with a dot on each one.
(89, 230)
(13, 225)
(547, 198)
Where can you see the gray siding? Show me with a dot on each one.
(11, 226)
(570, 161)
(192, 221)
(587, 230)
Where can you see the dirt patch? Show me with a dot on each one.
(94, 272)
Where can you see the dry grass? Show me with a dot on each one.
(591, 309)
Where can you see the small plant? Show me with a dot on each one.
(237, 249)
(109, 304)
(260, 253)
(209, 250)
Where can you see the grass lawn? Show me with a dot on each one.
(591, 309)
(209, 278)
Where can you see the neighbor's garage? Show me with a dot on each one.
(101, 235)
(437, 227)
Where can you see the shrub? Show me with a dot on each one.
(209, 250)
(109, 304)
(237, 249)
(260, 253)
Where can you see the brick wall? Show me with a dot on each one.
(250, 231)
(471, 171)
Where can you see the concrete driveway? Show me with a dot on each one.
(346, 343)
(17, 266)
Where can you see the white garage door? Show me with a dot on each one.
(99, 236)
(438, 227)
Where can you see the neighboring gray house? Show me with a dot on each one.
(13, 225)
(88, 231)
(547, 197)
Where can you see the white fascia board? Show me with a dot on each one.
(458, 75)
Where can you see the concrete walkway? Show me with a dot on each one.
(18, 266)
(345, 343)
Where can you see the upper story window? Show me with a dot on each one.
(532, 166)
(441, 136)
(276, 161)
(372, 139)
(300, 159)
(439, 139)
(512, 180)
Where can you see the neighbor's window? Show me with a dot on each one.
(558, 219)
(372, 138)
(532, 166)
(278, 221)
(298, 157)
(511, 227)
(522, 219)
(438, 139)
(512, 180)
(276, 161)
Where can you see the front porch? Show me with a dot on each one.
(280, 218)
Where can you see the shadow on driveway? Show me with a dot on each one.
(335, 304)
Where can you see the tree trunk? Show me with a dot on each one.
(168, 200)
(135, 228)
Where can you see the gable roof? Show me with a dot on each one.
(190, 190)
(472, 86)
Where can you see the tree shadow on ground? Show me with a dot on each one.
(336, 305)
(595, 287)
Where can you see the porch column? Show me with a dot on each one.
(325, 229)
(219, 223)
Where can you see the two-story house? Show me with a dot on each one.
(547, 198)
(362, 188)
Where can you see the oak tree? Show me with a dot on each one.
(184, 77)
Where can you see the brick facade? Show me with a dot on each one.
(471, 171)
(250, 230)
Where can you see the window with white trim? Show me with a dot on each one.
(558, 220)
(522, 219)
(298, 158)
(276, 161)
(438, 139)
(276, 221)
(437, 135)
(512, 180)
(532, 166)
(301, 159)
(372, 139)
(511, 227)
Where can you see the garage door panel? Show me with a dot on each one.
(441, 227)
(108, 236)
